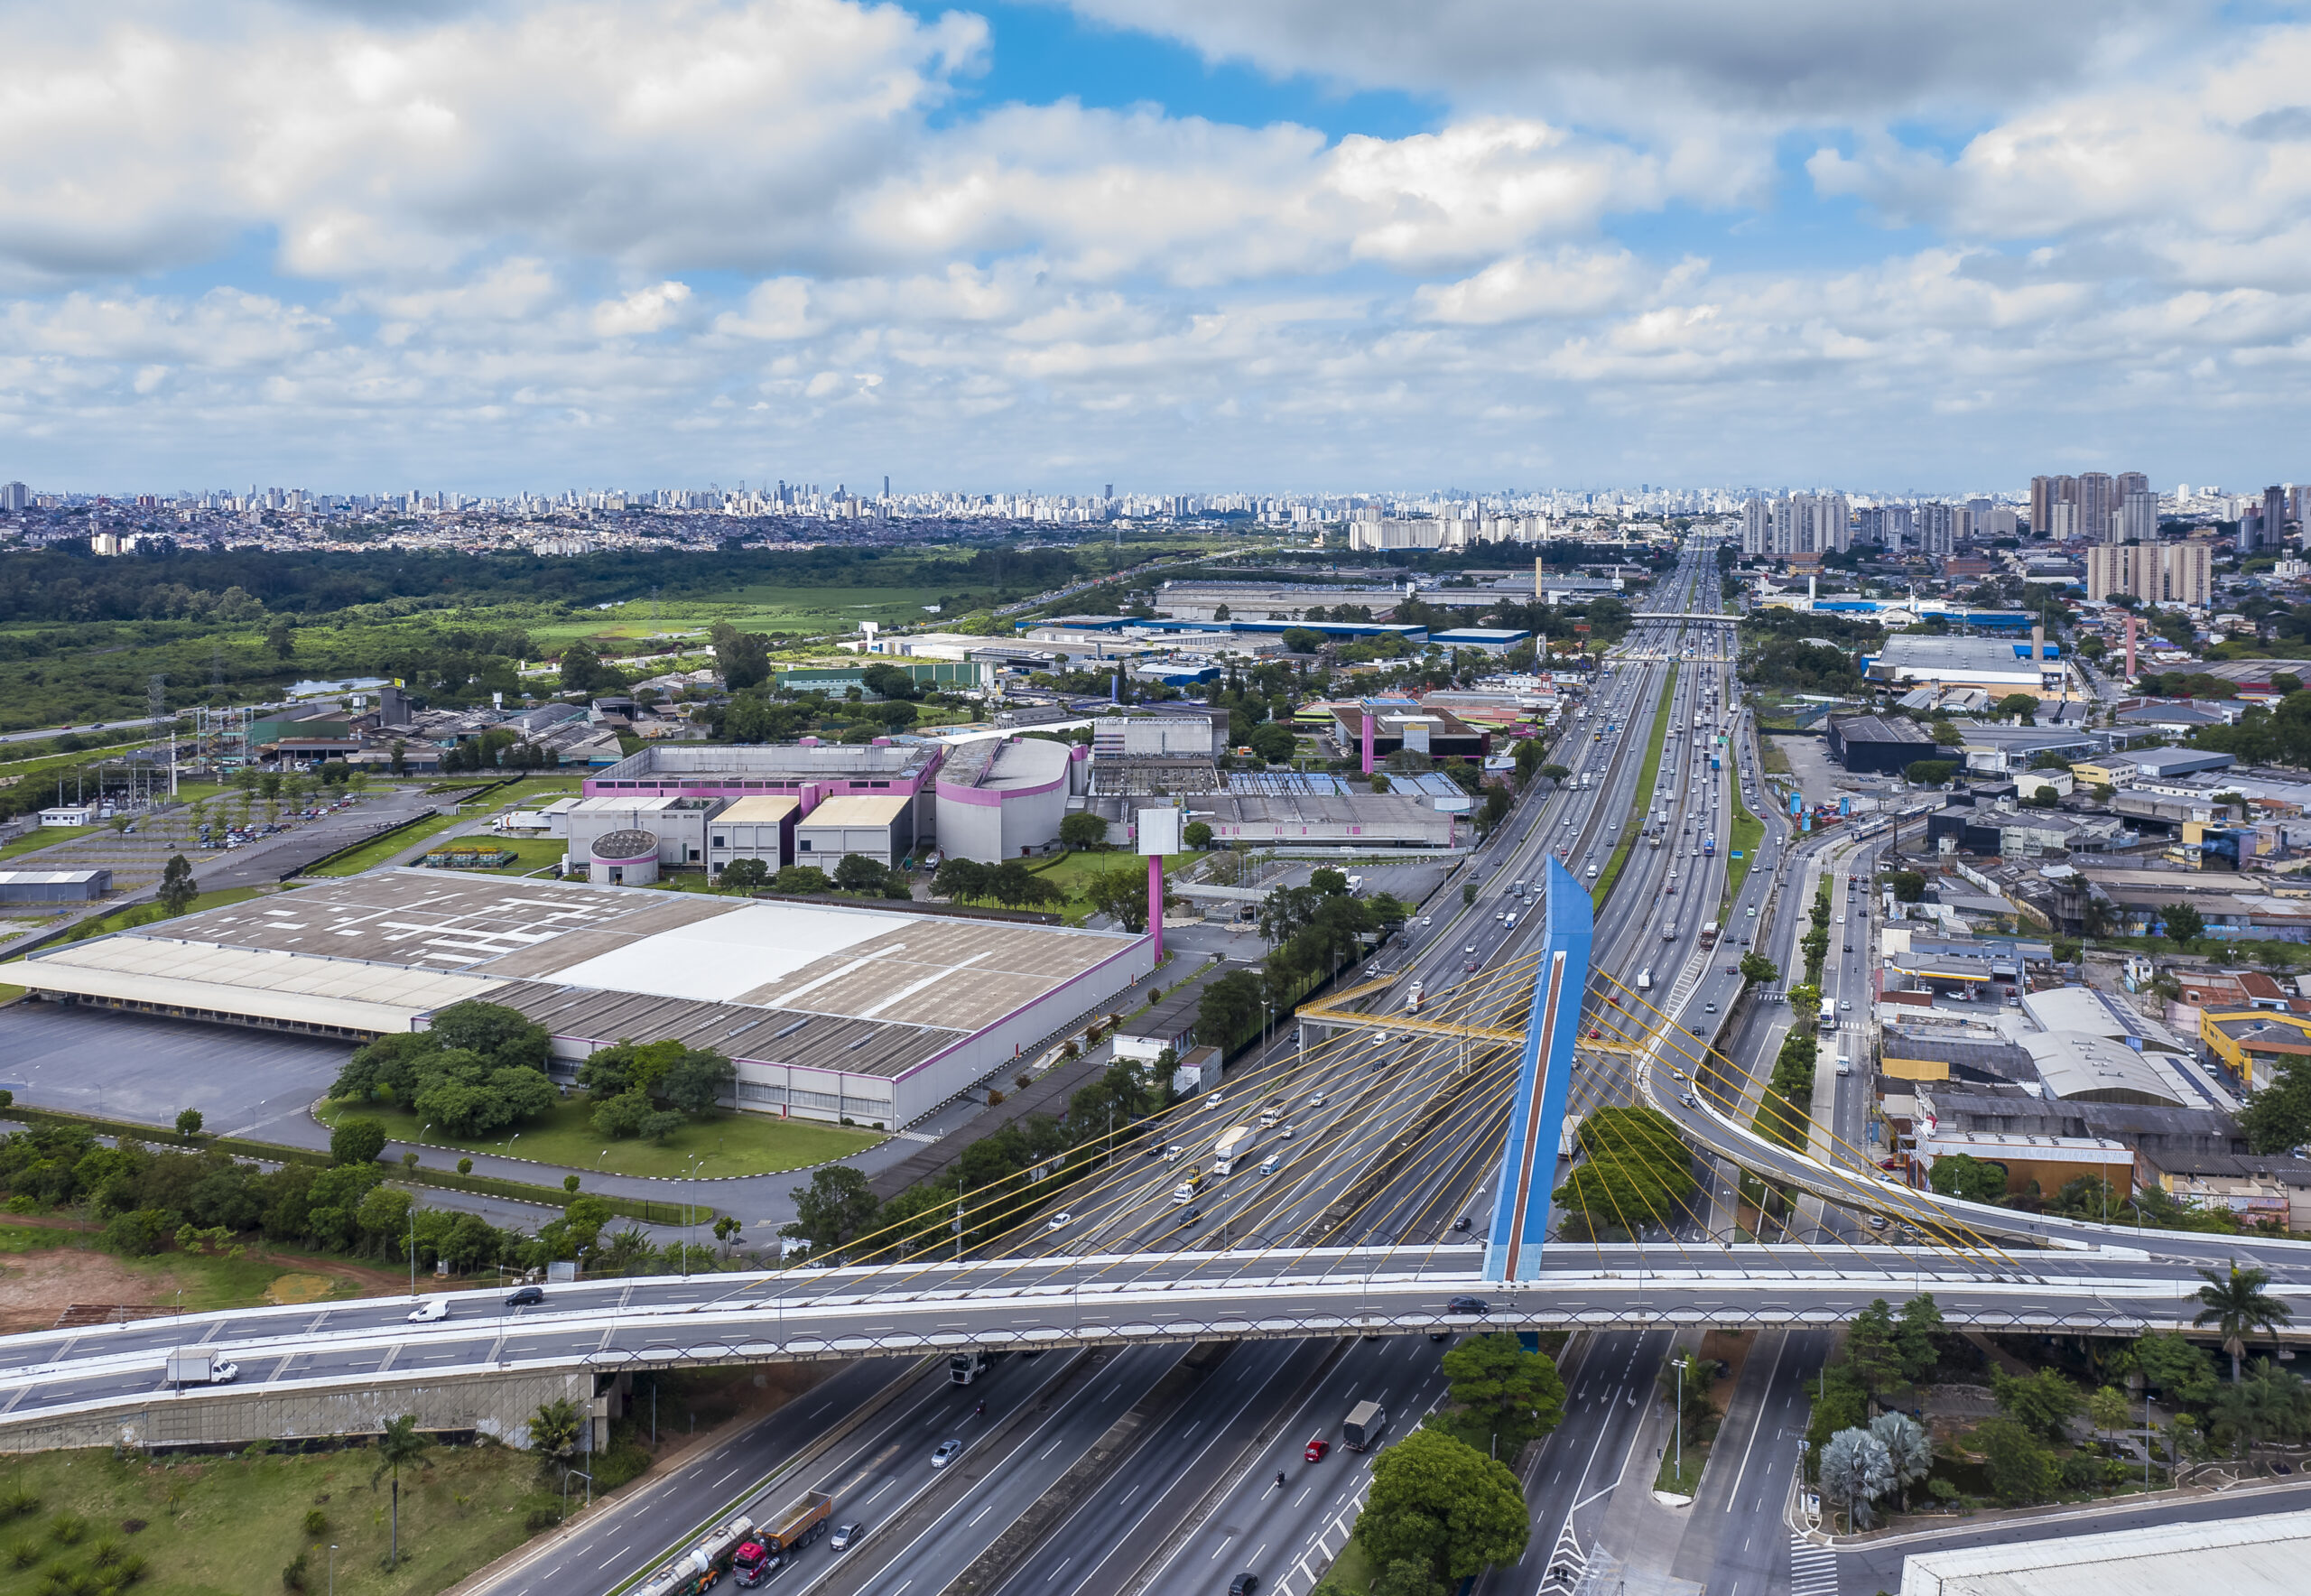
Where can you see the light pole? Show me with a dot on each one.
(332, 1569)
(1682, 1365)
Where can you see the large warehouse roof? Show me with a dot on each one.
(377, 951)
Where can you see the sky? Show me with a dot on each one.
(1288, 245)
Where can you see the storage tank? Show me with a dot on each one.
(624, 858)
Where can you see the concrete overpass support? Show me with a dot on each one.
(210, 1419)
(1520, 1215)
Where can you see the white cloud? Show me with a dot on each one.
(646, 310)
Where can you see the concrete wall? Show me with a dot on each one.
(497, 1405)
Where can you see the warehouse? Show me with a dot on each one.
(53, 886)
(758, 828)
(999, 799)
(874, 825)
(1878, 745)
(827, 1010)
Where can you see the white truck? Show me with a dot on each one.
(1231, 1145)
(1412, 999)
(197, 1365)
(1645, 980)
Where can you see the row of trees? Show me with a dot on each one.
(479, 1070)
(1636, 1171)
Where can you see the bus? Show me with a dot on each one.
(1829, 1021)
(1709, 847)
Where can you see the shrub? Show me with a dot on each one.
(105, 1552)
(292, 1578)
(65, 1529)
(465, 1166)
(19, 1503)
(357, 1141)
(24, 1553)
(316, 1523)
(543, 1518)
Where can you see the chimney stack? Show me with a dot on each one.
(2037, 645)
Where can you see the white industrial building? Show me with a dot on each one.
(999, 799)
(828, 1011)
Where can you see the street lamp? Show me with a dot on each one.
(1681, 1365)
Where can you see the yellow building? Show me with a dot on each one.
(2252, 1042)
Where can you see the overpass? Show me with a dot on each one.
(315, 1368)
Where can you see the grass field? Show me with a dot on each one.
(530, 853)
(370, 855)
(809, 611)
(1645, 780)
(229, 1526)
(733, 1144)
(1749, 831)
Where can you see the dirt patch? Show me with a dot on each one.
(36, 1286)
(1729, 1347)
(300, 1288)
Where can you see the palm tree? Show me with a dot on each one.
(2238, 1307)
(401, 1442)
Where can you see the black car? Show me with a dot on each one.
(526, 1296)
(1461, 1223)
(1467, 1305)
(1243, 1584)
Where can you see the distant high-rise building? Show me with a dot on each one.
(886, 484)
(2274, 516)
(2131, 482)
(15, 496)
(2160, 573)
(2137, 521)
(2046, 493)
(1937, 530)
(2097, 503)
(1110, 492)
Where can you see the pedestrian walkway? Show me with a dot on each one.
(1813, 1570)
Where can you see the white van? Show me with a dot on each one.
(1271, 1164)
(1845, 1064)
(430, 1309)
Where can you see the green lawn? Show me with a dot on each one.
(370, 855)
(809, 611)
(530, 853)
(1684, 1481)
(1645, 779)
(734, 1144)
(229, 1526)
(1749, 831)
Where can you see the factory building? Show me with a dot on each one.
(828, 1011)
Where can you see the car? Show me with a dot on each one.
(1316, 1101)
(845, 1537)
(1846, 1006)
(1594, 1034)
(1315, 1450)
(1427, 920)
(1615, 1001)
(1470, 949)
(1686, 1097)
(1469, 968)
(526, 1296)
(1461, 1223)
(946, 1453)
(1216, 1101)
(1676, 1074)
(1467, 1305)
(1192, 1216)
(1059, 1222)
(1709, 1008)
(1173, 1153)
(1244, 1584)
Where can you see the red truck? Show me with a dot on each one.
(798, 1524)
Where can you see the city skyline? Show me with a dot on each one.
(490, 247)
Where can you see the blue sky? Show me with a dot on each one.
(1198, 246)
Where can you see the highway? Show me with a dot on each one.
(1385, 1137)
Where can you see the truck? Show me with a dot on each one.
(797, 1523)
(1654, 838)
(197, 1365)
(1645, 980)
(1709, 844)
(1845, 1063)
(1231, 1144)
(964, 1368)
(1713, 762)
(1364, 1426)
(1272, 1113)
(1709, 934)
(1412, 999)
(1828, 1019)
(702, 1568)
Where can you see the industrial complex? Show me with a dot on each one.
(828, 1011)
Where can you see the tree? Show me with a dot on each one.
(697, 1082)
(2044, 1401)
(2182, 1371)
(1855, 1471)
(1405, 1577)
(745, 875)
(2022, 1468)
(1082, 829)
(802, 880)
(358, 1140)
(1962, 1174)
(1501, 1393)
(1442, 1504)
(582, 671)
(1227, 1008)
(1928, 773)
(1556, 773)
(2181, 922)
(2237, 1306)
(2107, 1409)
(1909, 1451)
(178, 888)
(400, 1442)
(1197, 834)
(1944, 735)
(1758, 970)
(554, 1430)
(1302, 640)
(742, 657)
(1870, 1346)
(858, 873)
(836, 1206)
(2019, 703)
(2278, 1117)
(1273, 742)
(189, 1121)
(1916, 1327)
